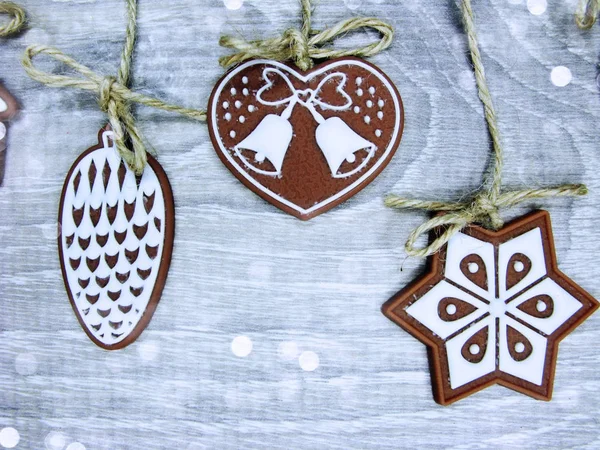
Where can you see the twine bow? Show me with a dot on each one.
(303, 46)
(484, 207)
(114, 96)
(587, 14)
(17, 22)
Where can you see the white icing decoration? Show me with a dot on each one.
(519, 266)
(225, 105)
(369, 104)
(500, 310)
(232, 133)
(251, 108)
(359, 81)
(367, 119)
(3, 105)
(378, 133)
(359, 92)
(245, 80)
(351, 158)
(238, 104)
(306, 78)
(245, 91)
(233, 91)
(372, 90)
(242, 119)
(380, 115)
(474, 349)
(106, 310)
(473, 267)
(2, 132)
(227, 116)
(380, 103)
(357, 109)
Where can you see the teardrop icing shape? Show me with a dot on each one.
(451, 309)
(473, 267)
(540, 306)
(519, 266)
(474, 349)
(519, 346)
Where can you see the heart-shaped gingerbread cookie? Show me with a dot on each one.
(306, 141)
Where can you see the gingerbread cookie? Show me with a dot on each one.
(493, 309)
(115, 243)
(306, 141)
(8, 108)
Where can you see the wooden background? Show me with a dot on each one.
(242, 268)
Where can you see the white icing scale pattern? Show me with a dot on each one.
(474, 311)
(112, 239)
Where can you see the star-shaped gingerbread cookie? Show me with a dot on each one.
(493, 309)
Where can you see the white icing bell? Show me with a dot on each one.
(270, 139)
(339, 142)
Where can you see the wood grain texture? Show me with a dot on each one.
(241, 267)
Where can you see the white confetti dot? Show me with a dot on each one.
(148, 351)
(55, 441)
(245, 91)
(233, 4)
(232, 133)
(288, 350)
(360, 92)
(2, 130)
(241, 346)
(519, 266)
(367, 119)
(561, 76)
(380, 115)
(378, 133)
(359, 81)
(26, 364)
(372, 90)
(9, 437)
(356, 109)
(225, 105)
(228, 116)
(309, 361)
(251, 108)
(474, 349)
(541, 306)
(451, 309)
(380, 103)
(537, 7)
(473, 267)
(242, 119)
(369, 104)
(245, 80)
(233, 91)
(238, 104)
(519, 347)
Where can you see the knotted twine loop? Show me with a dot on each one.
(587, 14)
(484, 207)
(17, 22)
(303, 46)
(114, 96)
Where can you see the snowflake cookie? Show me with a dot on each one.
(493, 309)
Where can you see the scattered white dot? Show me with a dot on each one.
(451, 309)
(380, 115)
(251, 108)
(228, 116)
(473, 267)
(2, 130)
(380, 103)
(9, 437)
(148, 351)
(519, 347)
(378, 133)
(369, 104)
(519, 266)
(359, 81)
(356, 109)
(233, 4)
(245, 80)
(232, 133)
(288, 350)
(474, 349)
(359, 92)
(241, 346)
(372, 90)
(233, 91)
(238, 104)
(541, 306)
(367, 119)
(225, 105)
(309, 361)
(55, 441)
(351, 158)
(561, 76)
(537, 7)
(242, 119)
(245, 91)
(26, 364)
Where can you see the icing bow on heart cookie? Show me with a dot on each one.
(272, 137)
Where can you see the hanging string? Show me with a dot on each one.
(587, 14)
(115, 96)
(484, 207)
(304, 45)
(17, 23)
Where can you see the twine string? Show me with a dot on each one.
(305, 45)
(587, 13)
(484, 207)
(17, 21)
(114, 95)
